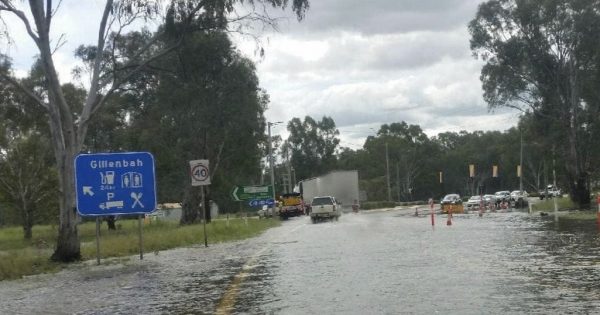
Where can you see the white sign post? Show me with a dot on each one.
(200, 174)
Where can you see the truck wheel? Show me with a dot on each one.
(313, 220)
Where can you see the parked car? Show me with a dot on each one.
(517, 195)
(474, 201)
(502, 196)
(451, 199)
(266, 212)
(489, 199)
(550, 191)
(452, 202)
(325, 207)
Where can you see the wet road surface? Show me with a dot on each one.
(367, 263)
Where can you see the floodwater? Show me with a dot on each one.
(367, 263)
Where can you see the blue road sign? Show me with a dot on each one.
(115, 183)
(261, 202)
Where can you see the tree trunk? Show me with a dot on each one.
(27, 231)
(110, 221)
(67, 246)
(580, 192)
(190, 206)
(26, 219)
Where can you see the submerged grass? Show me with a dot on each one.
(548, 205)
(580, 216)
(19, 257)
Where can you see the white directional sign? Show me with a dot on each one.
(199, 172)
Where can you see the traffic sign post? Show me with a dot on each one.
(113, 184)
(200, 175)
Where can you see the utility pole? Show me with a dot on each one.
(398, 179)
(554, 182)
(387, 163)
(521, 165)
(269, 124)
(293, 177)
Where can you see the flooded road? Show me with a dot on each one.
(375, 263)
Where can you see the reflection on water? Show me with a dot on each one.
(396, 263)
(389, 262)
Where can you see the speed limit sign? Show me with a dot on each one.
(199, 172)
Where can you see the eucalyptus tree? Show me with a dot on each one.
(542, 57)
(207, 103)
(109, 72)
(28, 181)
(312, 145)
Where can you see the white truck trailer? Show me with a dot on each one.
(343, 185)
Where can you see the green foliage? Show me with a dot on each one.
(416, 161)
(542, 57)
(311, 146)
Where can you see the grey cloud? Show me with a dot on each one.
(376, 53)
(385, 16)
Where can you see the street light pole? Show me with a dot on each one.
(269, 124)
(521, 165)
(387, 163)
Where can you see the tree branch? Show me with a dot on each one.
(23, 89)
(8, 6)
(94, 86)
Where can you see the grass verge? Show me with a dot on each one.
(548, 205)
(19, 258)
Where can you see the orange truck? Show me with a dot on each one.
(291, 205)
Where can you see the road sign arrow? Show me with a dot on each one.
(87, 190)
(234, 193)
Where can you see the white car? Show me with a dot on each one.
(265, 212)
(515, 195)
(502, 196)
(474, 201)
(325, 207)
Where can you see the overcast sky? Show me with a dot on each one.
(364, 63)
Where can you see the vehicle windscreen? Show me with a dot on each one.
(450, 197)
(322, 201)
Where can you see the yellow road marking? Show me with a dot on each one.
(228, 300)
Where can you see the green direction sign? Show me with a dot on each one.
(243, 193)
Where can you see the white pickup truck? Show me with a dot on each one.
(550, 191)
(325, 207)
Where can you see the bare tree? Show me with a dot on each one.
(68, 131)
